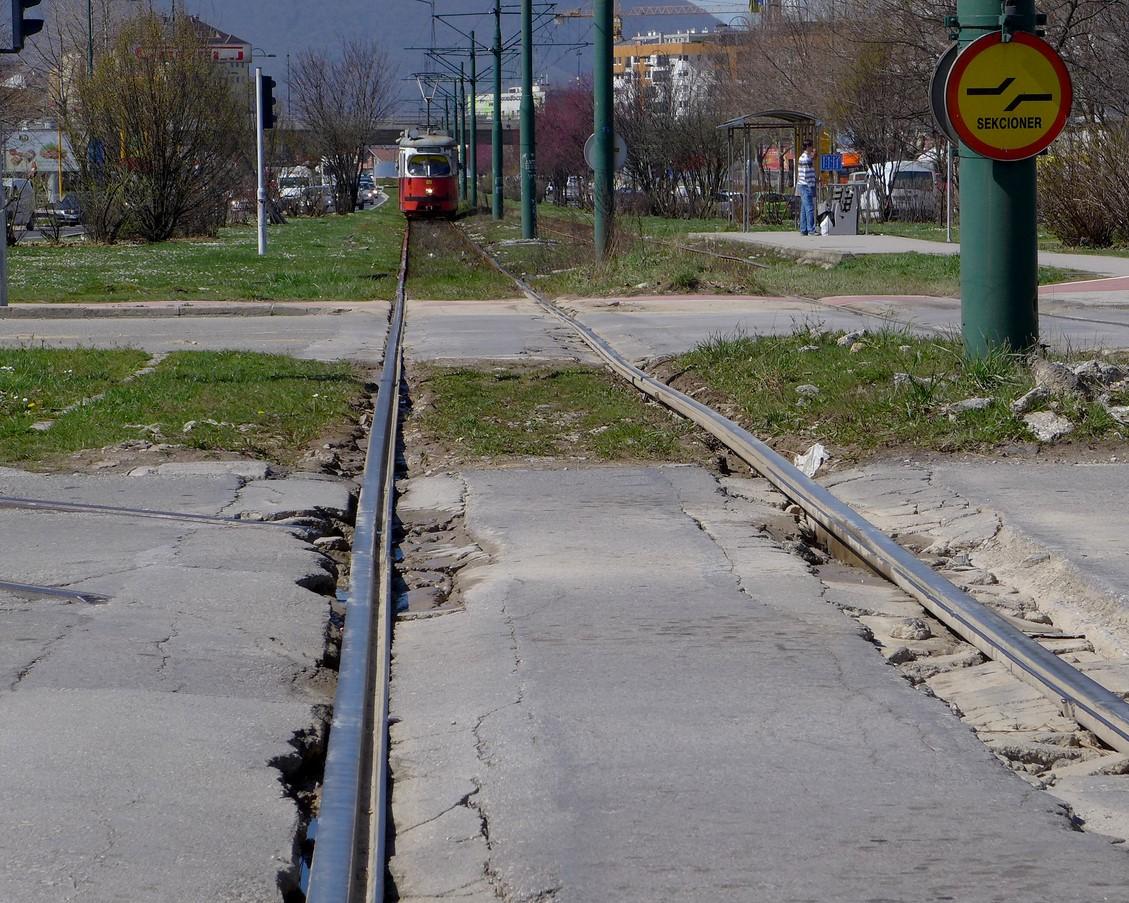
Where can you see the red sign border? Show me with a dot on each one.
(965, 58)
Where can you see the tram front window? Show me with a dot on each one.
(429, 166)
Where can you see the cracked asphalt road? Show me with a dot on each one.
(646, 699)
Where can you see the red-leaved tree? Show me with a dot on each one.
(563, 125)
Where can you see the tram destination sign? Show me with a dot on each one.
(1008, 100)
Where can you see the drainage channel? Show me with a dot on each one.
(348, 835)
(1077, 696)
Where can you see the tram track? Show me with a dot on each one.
(349, 834)
(1076, 695)
(348, 863)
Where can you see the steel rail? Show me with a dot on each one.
(349, 850)
(220, 520)
(1078, 696)
(54, 592)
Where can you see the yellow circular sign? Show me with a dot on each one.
(1008, 101)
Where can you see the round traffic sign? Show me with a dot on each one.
(619, 152)
(937, 92)
(1008, 101)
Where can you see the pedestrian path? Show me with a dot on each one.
(846, 245)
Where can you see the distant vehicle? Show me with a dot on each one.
(909, 184)
(366, 191)
(67, 211)
(19, 203)
(428, 169)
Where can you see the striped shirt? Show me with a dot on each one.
(805, 174)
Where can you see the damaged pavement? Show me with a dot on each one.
(156, 737)
(643, 695)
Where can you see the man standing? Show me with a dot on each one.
(805, 184)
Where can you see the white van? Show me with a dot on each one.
(19, 198)
(910, 185)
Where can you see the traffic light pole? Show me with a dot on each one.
(497, 202)
(473, 124)
(262, 161)
(461, 104)
(999, 277)
(528, 139)
(604, 127)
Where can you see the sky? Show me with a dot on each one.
(282, 27)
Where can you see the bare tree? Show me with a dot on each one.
(157, 132)
(340, 103)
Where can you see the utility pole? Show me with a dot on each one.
(447, 115)
(604, 127)
(528, 139)
(461, 102)
(89, 40)
(999, 284)
(497, 203)
(473, 124)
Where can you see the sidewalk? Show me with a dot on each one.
(850, 245)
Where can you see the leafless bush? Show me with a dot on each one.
(1084, 188)
(157, 133)
(340, 102)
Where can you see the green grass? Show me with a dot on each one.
(664, 265)
(573, 412)
(333, 258)
(37, 383)
(861, 406)
(444, 267)
(263, 405)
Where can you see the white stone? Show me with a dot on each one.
(1046, 426)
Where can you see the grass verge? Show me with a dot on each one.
(895, 392)
(332, 258)
(651, 264)
(261, 405)
(443, 267)
(578, 413)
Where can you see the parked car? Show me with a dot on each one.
(19, 203)
(67, 211)
(909, 184)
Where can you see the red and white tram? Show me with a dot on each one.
(428, 168)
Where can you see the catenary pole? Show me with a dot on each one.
(528, 139)
(497, 202)
(604, 128)
(998, 234)
(473, 124)
(462, 133)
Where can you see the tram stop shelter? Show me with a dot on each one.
(741, 140)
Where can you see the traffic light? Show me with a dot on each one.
(14, 27)
(269, 118)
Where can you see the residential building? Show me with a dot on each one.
(511, 102)
(670, 62)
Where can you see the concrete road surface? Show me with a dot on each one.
(646, 699)
(148, 731)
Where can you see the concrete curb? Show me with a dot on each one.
(819, 256)
(162, 309)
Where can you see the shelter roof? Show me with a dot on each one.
(770, 119)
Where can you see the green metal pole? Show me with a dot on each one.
(473, 124)
(497, 202)
(447, 116)
(460, 104)
(999, 265)
(89, 36)
(604, 127)
(528, 139)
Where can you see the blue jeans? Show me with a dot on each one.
(807, 209)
